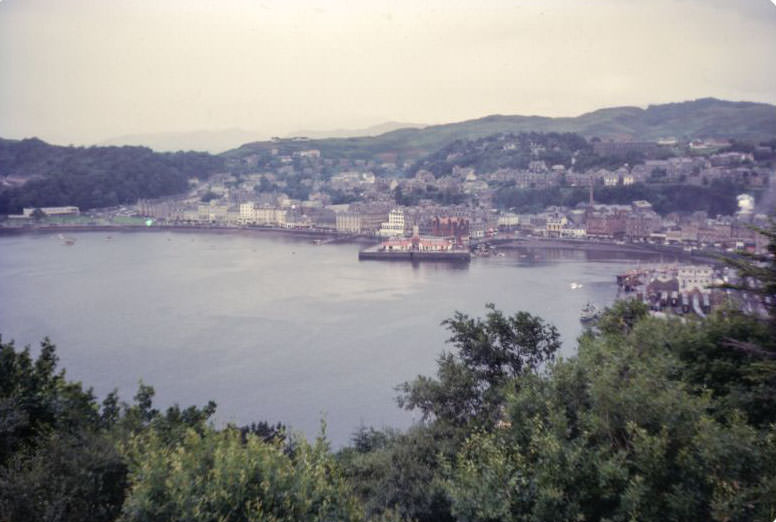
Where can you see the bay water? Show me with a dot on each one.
(270, 327)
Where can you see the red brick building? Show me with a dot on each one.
(449, 226)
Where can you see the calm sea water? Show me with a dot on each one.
(269, 327)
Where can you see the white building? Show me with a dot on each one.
(555, 224)
(247, 214)
(52, 211)
(212, 213)
(692, 277)
(573, 232)
(508, 219)
(394, 227)
(252, 214)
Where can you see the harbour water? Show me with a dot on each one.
(271, 328)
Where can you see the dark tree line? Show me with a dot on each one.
(93, 177)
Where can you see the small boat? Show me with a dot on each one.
(576, 285)
(69, 241)
(589, 312)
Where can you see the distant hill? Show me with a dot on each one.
(518, 151)
(374, 130)
(218, 141)
(207, 141)
(704, 118)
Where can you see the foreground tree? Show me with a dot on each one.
(757, 273)
(234, 476)
(56, 462)
(490, 353)
(402, 472)
(620, 433)
(58, 454)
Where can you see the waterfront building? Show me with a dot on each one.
(695, 277)
(606, 226)
(416, 243)
(52, 211)
(212, 213)
(372, 217)
(508, 221)
(394, 227)
(253, 214)
(270, 216)
(573, 232)
(247, 214)
(639, 225)
(170, 210)
(348, 223)
(715, 232)
(555, 224)
(444, 226)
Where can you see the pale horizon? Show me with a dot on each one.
(84, 72)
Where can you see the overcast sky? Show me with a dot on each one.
(81, 71)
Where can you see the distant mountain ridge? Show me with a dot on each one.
(702, 118)
(212, 141)
(373, 130)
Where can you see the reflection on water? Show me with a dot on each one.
(533, 255)
(268, 326)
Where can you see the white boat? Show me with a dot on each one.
(576, 285)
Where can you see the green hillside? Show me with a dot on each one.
(704, 118)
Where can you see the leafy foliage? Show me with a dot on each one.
(617, 434)
(489, 353)
(35, 400)
(229, 476)
(399, 473)
(54, 463)
(67, 477)
(757, 273)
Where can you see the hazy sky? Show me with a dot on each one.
(81, 71)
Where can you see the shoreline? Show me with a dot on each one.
(329, 236)
(612, 246)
